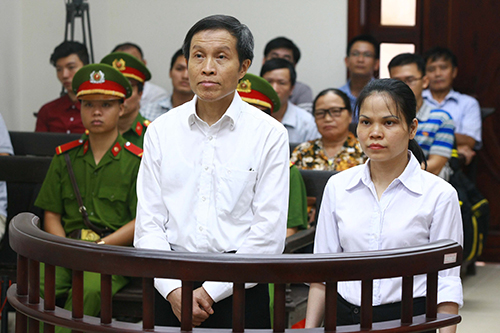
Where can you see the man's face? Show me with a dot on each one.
(213, 65)
(441, 74)
(410, 75)
(180, 77)
(66, 68)
(282, 53)
(100, 113)
(280, 81)
(133, 103)
(361, 60)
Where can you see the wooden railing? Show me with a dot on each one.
(34, 246)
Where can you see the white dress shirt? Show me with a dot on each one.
(417, 208)
(216, 188)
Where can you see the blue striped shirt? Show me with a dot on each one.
(436, 131)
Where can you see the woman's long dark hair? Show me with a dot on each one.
(405, 102)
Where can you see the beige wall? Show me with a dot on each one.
(31, 29)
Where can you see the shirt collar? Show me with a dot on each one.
(290, 118)
(232, 113)
(452, 94)
(408, 178)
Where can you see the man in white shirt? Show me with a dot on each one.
(299, 123)
(151, 93)
(214, 176)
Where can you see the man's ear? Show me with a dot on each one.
(455, 72)
(122, 109)
(377, 65)
(145, 62)
(425, 82)
(244, 67)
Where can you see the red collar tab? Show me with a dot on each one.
(85, 147)
(116, 149)
(138, 128)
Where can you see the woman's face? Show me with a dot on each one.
(331, 116)
(382, 131)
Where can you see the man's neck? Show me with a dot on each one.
(420, 102)
(440, 95)
(126, 121)
(278, 115)
(100, 143)
(211, 112)
(72, 96)
(179, 98)
(357, 84)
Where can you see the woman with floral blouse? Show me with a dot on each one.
(337, 149)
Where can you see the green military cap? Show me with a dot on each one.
(101, 79)
(255, 90)
(128, 65)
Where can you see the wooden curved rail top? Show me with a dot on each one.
(34, 246)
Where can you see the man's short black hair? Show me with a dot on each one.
(439, 52)
(243, 35)
(365, 38)
(407, 59)
(279, 63)
(176, 55)
(68, 48)
(126, 46)
(285, 43)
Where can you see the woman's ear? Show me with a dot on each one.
(413, 128)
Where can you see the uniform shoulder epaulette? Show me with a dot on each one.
(133, 149)
(146, 123)
(68, 146)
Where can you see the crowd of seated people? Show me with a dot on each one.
(320, 127)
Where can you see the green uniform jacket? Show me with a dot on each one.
(297, 203)
(108, 190)
(137, 131)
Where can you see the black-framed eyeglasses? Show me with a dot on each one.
(411, 80)
(332, 112)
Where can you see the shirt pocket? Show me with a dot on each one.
(235, 191)
(111, 205)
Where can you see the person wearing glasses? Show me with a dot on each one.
(436, 130)
(337, 149)
(299, 123)
(362, 61)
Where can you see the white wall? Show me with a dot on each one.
(30, 30)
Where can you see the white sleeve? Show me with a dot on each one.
(152, 214)
(447, 224)
(327, 232)
(270, 207)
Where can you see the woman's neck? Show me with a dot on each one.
(383, 173)
(332, 146)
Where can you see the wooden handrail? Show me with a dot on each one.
(34, 245)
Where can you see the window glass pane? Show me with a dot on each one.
(389, 51)
(398, 12)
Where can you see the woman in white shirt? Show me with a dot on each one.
(403, 206)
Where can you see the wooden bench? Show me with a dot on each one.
(34, 246)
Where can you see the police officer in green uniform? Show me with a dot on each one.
(105, 167)
(132, 124)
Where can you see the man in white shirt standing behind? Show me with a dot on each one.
(214, 176)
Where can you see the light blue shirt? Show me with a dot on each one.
(346, 88)
(5, 147)
(464, 110)
(300, 124)
(153, 110)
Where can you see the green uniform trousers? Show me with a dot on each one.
(91, 290)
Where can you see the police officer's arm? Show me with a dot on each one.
(53, 225)
(122, 236)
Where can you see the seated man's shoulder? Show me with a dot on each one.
(465, 101)
(55, 103)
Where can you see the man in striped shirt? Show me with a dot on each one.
(436, 130)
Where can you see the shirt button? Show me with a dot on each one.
(71, 119)
(206, 168)
(200, 228)
(72, 106)
(93, 194)
(203, 198)
(210, 137)
(356, 310)
(91, 213)
(95, 173)
(68, 131)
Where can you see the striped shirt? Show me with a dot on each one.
(436, 132)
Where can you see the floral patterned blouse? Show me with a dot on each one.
(311, 156)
